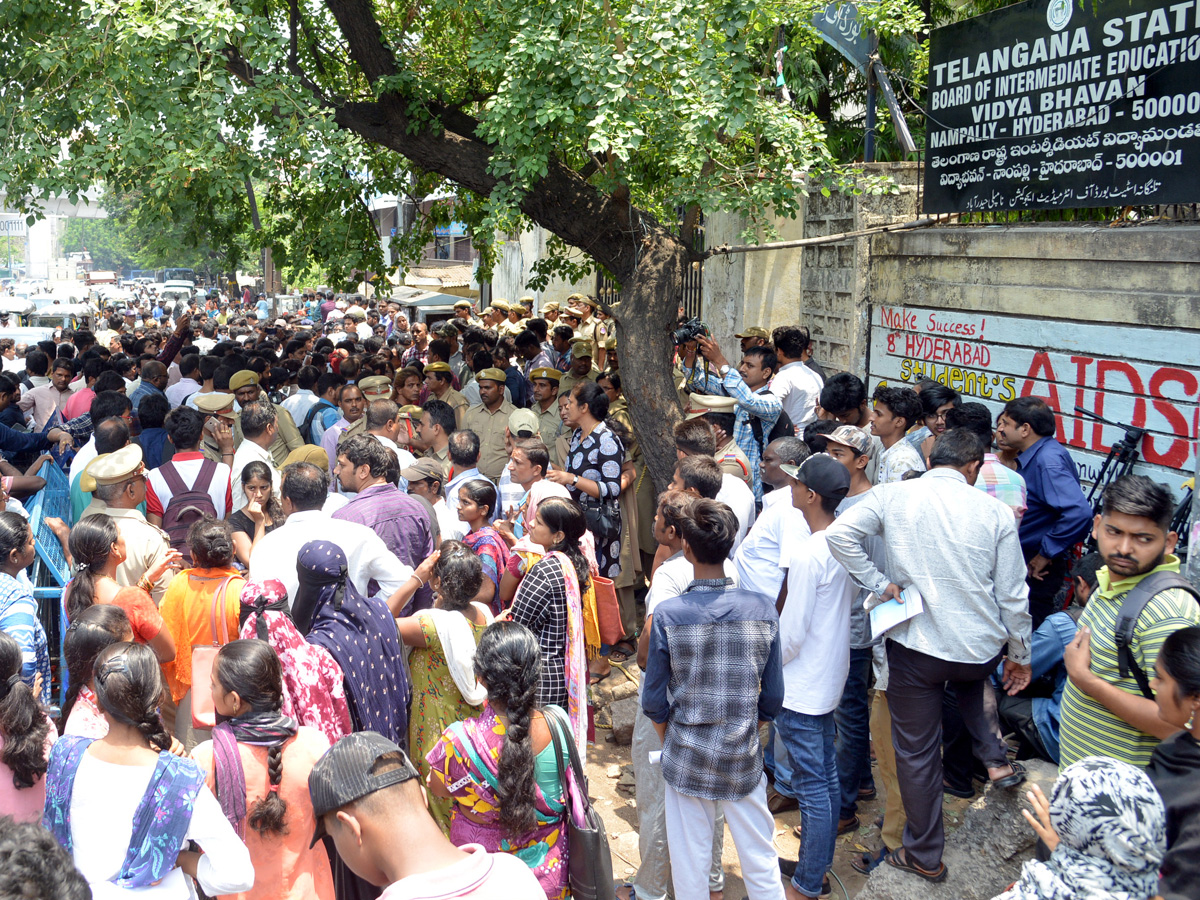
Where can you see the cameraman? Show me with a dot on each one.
(748, 385)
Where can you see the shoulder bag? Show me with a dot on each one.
(204, 713)
(588, 857)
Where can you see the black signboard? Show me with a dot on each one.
(1054, 104)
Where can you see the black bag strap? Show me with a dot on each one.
(552, 715)
(1131, 608)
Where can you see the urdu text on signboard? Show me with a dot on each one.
(1052, 104)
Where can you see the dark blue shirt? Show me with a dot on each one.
(13, 442)
(1058, 514)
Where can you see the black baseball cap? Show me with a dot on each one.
(343, 774)
(823, 474)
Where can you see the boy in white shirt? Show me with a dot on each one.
(814, 635)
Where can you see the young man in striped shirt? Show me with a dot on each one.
(1103, 713)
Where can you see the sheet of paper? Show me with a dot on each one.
(889, 614)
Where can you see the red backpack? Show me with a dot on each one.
(187, 506)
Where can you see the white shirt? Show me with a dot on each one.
(103, 803)
(449, 524)
(758, 556)
(85, 455)
(672, 577)
(814, 627)
(299, 404)
(367, 556)
(178, 393)
(740, 499)
(798, 388)
(248, 452)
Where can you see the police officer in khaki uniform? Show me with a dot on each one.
(754, 336)
(489, 420)
(545, 405)
(592, 328)
(581, 366)
(246, 389)
(719, 412)
(219, 419)
(500, 316)
(373, 387)
(613, 364)
(117, 482)
(465, 310)
(439, 380)
(550, 312)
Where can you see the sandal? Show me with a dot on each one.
(778, 803)
(594, 678)
(845, 826)
(1011, 781)
(898, 861)
(619, 653)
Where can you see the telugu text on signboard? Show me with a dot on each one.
(1051, 104)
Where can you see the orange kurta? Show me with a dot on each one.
(285, 867)
(187, 611)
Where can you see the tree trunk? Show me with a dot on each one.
(645, 315)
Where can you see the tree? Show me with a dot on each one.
(597, 121)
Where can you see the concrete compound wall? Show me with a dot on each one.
(821, 287)
(514, 269)
(1102, 318)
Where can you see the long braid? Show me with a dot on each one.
(269, 815)
(151, 727)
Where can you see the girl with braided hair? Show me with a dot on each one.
(258, 763)
(26, 736)
(18, 608)
(124, 807)
(500, 768)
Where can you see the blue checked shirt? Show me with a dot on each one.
(751, 405)
(714, 672)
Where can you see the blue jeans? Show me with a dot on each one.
(775, 761)
(810, 746)
(853, 720)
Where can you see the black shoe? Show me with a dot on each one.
(787, 867)
(966, 793)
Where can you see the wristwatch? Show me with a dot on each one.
(724, 370)
(575, 483)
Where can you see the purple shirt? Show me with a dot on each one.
(402, 524)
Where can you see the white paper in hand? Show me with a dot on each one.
(890, 613)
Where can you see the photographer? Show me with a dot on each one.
(694, 373)
(748, 385)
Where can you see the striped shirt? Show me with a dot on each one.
(19, 620)
(1090, 729)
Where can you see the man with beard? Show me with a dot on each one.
(1104, 710)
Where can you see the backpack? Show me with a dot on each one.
(783, 427)
(306, 432)
(187, 506)
(1131, 607)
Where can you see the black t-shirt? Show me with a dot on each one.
(239, 521)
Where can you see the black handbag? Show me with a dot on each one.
(589, 860)
(603, 518)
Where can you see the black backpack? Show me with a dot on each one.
(783, 427)
(1131, 607)
(306, 426)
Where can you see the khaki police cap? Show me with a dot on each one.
(242, 378)
(376, 384)
(462, 304)
(610, 343)
(440, 367)
(552, 306)
(574, 297)
(214, 403)
(501, 305)
(411, 411)
(546, 374)
(754, 331)
(526, 301)
(115, 467)
(491, 375)
(581, 347)
(588, 302)
(701, 404)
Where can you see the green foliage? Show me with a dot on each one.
(181, 104)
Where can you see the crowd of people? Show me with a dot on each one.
(341, 585)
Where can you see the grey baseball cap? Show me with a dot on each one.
(343, 774)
